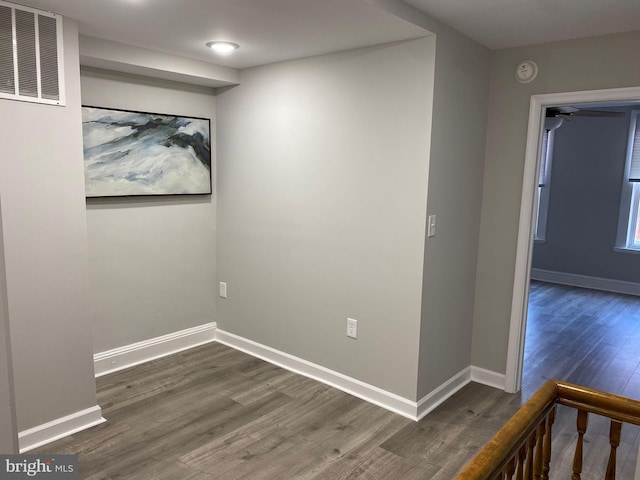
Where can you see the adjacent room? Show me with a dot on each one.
(584, 303)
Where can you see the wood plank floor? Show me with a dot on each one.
(590, 338)
(216, 413)
(587, 337)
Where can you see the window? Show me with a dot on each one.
(544, 182)
(629, 220)
(633, 236)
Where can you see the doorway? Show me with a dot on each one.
(524, 249)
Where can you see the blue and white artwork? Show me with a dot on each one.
(135, 153)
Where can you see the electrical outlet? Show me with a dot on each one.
(223, 289)
(352, 327)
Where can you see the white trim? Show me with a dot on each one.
(624, 234)
(130, 355)
(632, 251)
(59, 428)
(585, 281)
(357, 388)
(488, 377)
(141, 352)
(515, 352)
(432, 400)
(543, 202)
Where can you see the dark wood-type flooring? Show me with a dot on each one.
(216, 413)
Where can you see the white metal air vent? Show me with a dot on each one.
(31, 59)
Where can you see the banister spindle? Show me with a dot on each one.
(577, 459)
(522, 457)
(546, 451)
(537, 462)
(614, 441)
(531, 445)
(510, 468)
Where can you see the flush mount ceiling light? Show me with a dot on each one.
(223, 48)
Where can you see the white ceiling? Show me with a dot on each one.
(267, 30)
(499, 24)
(274, 30)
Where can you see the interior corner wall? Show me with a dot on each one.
(151, 259)
(455, 192)
(322, 185)
(587, 64)
(8, 424)
(45, 242)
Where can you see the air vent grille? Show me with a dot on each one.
(7, 80)
(30, 55)
(48, 40)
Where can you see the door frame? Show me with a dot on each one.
(524, 248)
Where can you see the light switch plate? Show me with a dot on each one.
(431, 226)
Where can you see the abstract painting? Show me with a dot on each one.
(136, 153)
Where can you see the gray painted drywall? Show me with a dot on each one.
(586, 185)
(8, 424)
(151, 260)
(455, 192)
(455, 186)
(322, 186)
(46, 261)
(594, 63)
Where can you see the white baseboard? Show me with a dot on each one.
(584, 281)
(370, 393)
(430, 401)
(357, 388)
(134, 354)
(130, 355)
(141, 352)
(59, 428)
(488, 377)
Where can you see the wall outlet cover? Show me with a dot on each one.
(352, 328)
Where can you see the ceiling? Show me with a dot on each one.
(267, 31)
(274, 30)
(499, 24)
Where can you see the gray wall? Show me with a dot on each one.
(455, 191)
(151, 260)
(322, 189)
(586, 64)
(455, 185)
(46, 260)
(586, 185)
(8, 427)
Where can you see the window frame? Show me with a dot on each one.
(629, 215)
(546, 160)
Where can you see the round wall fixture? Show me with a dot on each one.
(526, 71)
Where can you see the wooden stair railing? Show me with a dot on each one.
(521, 450)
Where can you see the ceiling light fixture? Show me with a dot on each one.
(223, 48)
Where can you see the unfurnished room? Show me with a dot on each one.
(304, 239)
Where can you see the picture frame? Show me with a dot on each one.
(133, 153)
